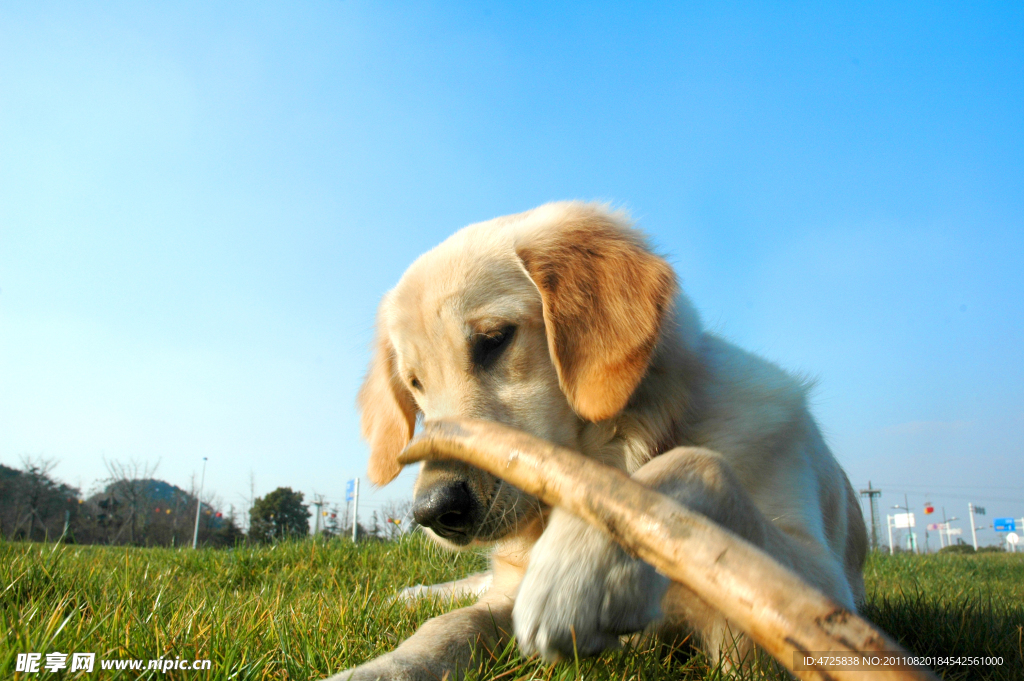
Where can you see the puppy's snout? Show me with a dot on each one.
(448, 509)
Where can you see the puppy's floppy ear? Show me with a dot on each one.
(605, 296)
(388, 413)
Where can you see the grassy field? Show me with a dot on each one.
(304, 610)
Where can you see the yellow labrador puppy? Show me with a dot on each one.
(562, 322)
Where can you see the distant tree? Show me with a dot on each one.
(333, 523)
(397, 519)
(374, 529)
(170, 513)
(227, 533)
(958, 548)
(128, 487)
(10, 510)
(279, 515)
(33, 505)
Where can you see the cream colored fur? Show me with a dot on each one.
(610, 359)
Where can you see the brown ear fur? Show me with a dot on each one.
(605, 296)
(388, 413)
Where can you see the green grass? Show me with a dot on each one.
(305, 610)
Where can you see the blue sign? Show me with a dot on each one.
(350, 490)
(1005, 525)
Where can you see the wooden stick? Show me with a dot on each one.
(782, 613)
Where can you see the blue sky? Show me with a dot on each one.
(200, 207)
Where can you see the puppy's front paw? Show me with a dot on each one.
(383, 669)
(365, 672)
(582, 585)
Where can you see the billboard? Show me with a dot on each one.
(901, 520)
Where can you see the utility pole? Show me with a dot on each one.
(873, 494)
(355, 514)
(910, 524)
(980, 510)
(925, 534)
(913, 534)
(199, 506)
(251, 499)
(319, 503)
(974, 533)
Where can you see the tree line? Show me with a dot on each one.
(132, 507)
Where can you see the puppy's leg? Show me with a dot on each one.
(582, 591)
(444, 647)
(474, 585)
(701, 480)
(581, 585)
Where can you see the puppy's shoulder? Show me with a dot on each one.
(746, 397)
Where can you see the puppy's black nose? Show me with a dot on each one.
(448, 509)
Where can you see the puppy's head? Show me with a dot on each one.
(541, 321)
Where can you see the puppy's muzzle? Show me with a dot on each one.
(449, 509)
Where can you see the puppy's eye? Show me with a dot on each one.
(415, 383)
(487, 347)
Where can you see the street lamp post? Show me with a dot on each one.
(910, 528)
(944, 527)
(199, 506)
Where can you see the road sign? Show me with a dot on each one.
(980, 510)
(1012, 538)
(1004, 525)
(901, 520)
(350, 490)
(953, 531)
(934, 526)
